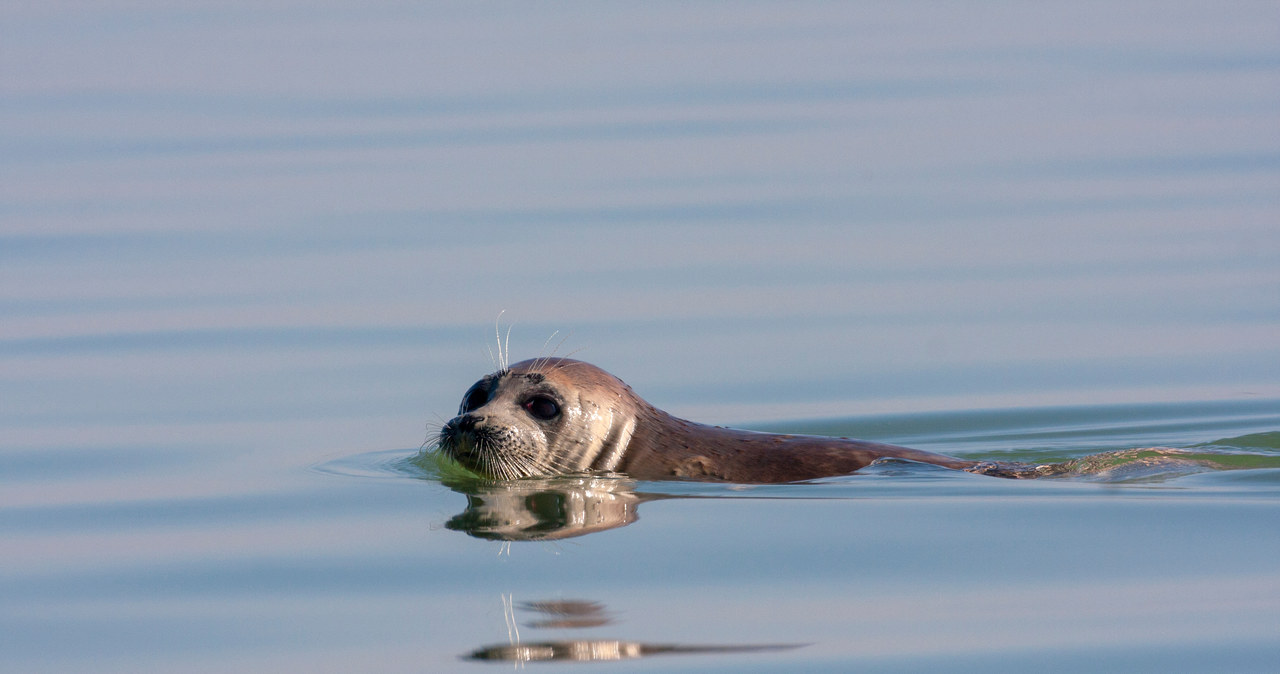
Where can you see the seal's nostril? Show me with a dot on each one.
(468, 422)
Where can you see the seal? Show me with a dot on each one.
(556, 416)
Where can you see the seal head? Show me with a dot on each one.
(541, 417)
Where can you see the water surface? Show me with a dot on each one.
(251, 257)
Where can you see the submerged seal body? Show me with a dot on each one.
(553, 416)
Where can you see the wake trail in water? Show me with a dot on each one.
(1149, 462)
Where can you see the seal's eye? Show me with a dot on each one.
(542, 407)
(476, 397)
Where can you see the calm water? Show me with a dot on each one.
(251, 257)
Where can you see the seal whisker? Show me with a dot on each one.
(543, 358)
(500, 360)
(434, 436)
(506, 349)
(542, 361)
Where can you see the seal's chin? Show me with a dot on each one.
(460, 446)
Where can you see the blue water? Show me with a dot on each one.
(252, 256)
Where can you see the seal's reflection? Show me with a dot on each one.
(580, 614)
(545, 509)
(585, 651)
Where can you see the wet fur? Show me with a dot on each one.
(641, 440)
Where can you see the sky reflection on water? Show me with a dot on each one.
(244, 248)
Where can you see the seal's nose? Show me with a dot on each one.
(459, 424)
(467, 422)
